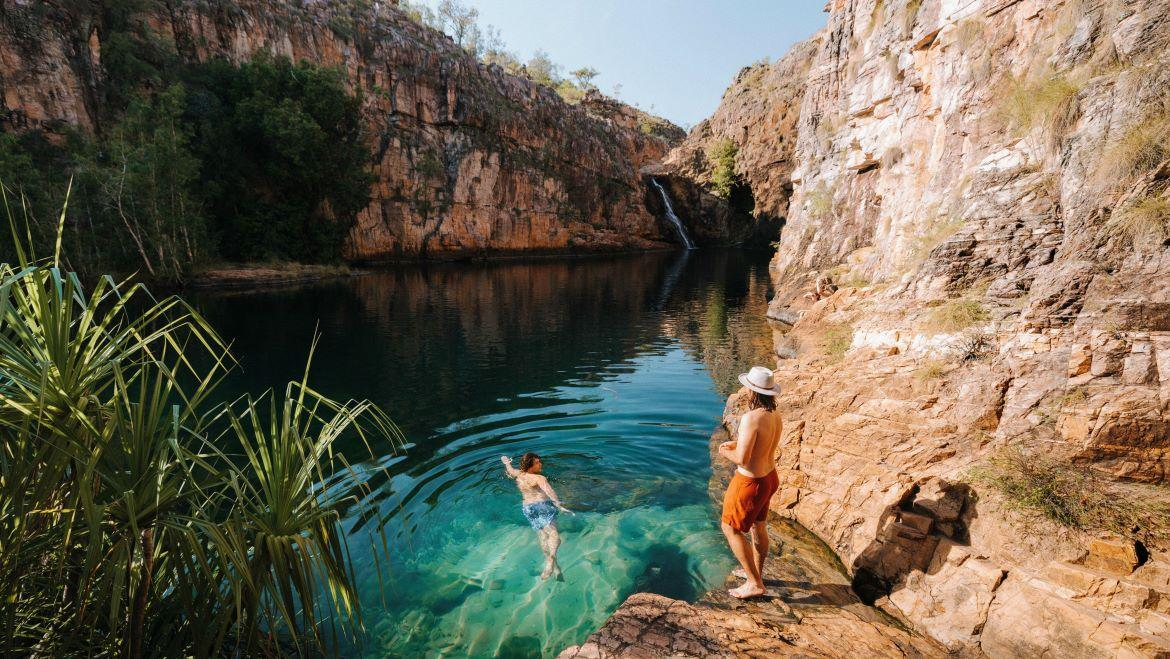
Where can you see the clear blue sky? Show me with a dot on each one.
(675, 55)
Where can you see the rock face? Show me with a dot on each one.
(468, 160)
(988, 182)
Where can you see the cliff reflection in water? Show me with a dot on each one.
(614, 369)
(434, 343)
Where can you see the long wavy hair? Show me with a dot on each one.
(756, 400)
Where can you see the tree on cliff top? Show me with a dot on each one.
(459, 20)
(584, 77)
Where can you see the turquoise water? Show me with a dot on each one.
(613, 369)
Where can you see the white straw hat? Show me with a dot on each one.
(760, 380)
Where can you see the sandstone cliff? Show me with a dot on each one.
(758, 114)
(989, 181)
(467, 159)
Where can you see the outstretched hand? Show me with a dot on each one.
(506, 460)
(564, 509)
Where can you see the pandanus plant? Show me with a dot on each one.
(142, 516)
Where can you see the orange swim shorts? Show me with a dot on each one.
(746, 501)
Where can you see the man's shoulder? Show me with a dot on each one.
(758, 415)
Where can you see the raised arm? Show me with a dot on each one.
(508, 468)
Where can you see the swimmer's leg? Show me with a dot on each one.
(548, 553)
(554, 543)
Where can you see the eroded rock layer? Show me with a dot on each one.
(467, 159)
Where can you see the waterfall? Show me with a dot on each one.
(678, 225)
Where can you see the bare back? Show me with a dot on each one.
(759, 433)
(533, 487)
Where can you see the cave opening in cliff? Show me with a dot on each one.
(741, 198)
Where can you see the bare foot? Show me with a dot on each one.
(548, 570)
(746, 591)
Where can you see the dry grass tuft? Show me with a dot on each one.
(934, 236)
(1072, 398)
(970, 32)
(827, 128)
(1139, 149)
(1045, 101)
(933, 369)
(955, 316)
(974, 346)
(1145, 220)
(1048, 488)
(835, 341)
(819, 202)
(892, 156)
(910, 16)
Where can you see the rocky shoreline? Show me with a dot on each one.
(1103, 597)
(811, 610)
(254, 275)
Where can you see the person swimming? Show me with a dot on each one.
(540, 506)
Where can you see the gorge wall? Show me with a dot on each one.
(988, 182)
(467, 159)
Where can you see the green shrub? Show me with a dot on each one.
(284, 158)
(140, 518)
(38, 171)
(721, 158)
(264, 161)
(955, 315)
(142, 180)
(135, 201)
(1036, 484)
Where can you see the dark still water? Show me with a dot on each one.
(613, 369)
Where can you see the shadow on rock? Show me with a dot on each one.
(909, 533)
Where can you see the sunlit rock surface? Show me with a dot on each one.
(468, 160)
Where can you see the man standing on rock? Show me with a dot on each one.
(745, 506)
